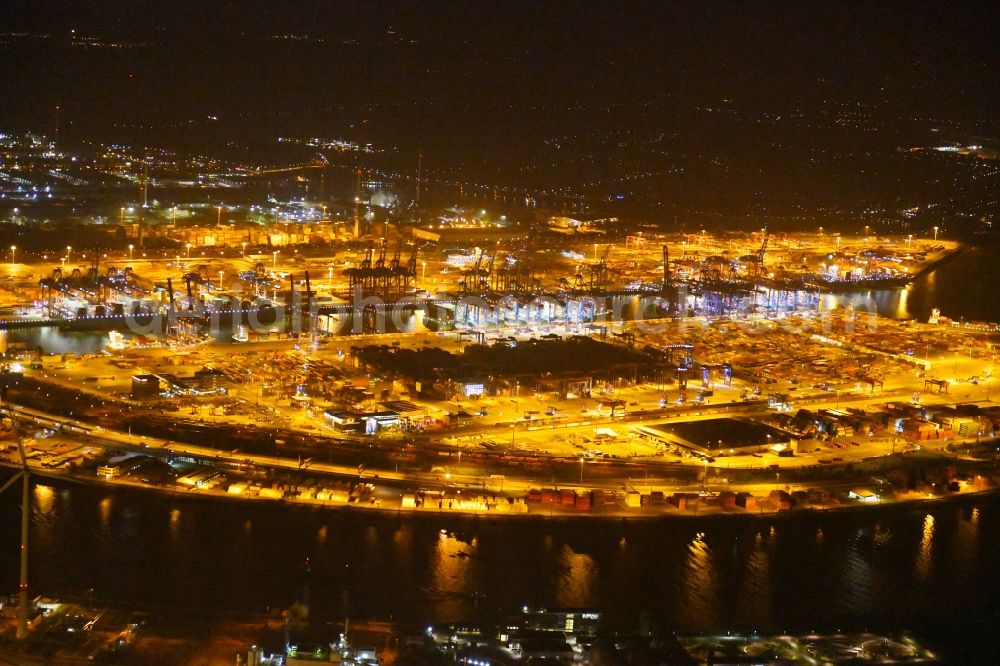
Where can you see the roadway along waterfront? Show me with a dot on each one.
(493, 479)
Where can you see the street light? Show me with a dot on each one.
(244, 244)
(935, 233)
(274, 260)
(13, 248)
(188, 246)
(130, 247)
(68, 250)
(581, 471)
(220, 279)
(122, 217)
(218, 219)
(173, 215)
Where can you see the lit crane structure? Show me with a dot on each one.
(257, 277)
(121, 281)
(375, 276)
(515, 277)
(503, 275)
(591, 279)
(199, 276)
(722, 289)
(668, 286)
(757, 266)
(475, 279)
(109, 290)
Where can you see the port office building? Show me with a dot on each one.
(715, 437)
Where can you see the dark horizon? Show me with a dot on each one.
(178, 61)
(712, 111)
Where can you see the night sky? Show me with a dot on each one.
(193, 58)
(686, 109)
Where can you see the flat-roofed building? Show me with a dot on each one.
(715, 437)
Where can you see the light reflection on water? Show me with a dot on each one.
(105, 509)
(922, 565)
(454, 575)
(961, 287)
(857, 583)
(813, 570)
(882, 535)
(754, 596)
(700, 584)
(174, 523)
(577, 579)
(44, 497)
(965, 542)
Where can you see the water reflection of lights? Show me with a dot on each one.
(44, 498)
(175, 522)
(923, 564)
(965, 542)
(882, 535)
(577, 580)
(700, 593)
(858, 584)
(453, 573)
(321, 534)
(901, 310)
(105, 509)
(754, 599)
(402, 541)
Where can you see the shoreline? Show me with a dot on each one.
(616, 515)
(101, 324)
(894, 284)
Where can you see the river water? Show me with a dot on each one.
(962, 287)
(931, 568)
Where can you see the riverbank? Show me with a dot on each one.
(938, 259)
(704, 504)
(935, 262)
